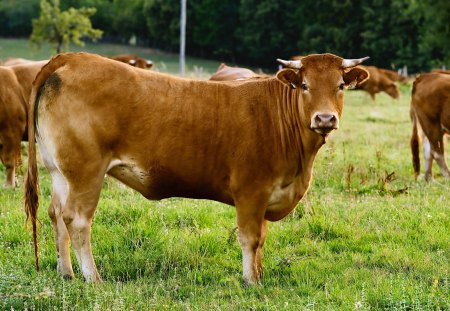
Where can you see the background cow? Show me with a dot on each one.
(250, 144)
(16, 61)
(378, 82)
(133, 60)
(430, 109)
(227, 73)
(394, 75)
(15, 90)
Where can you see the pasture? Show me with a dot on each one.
(366, 236)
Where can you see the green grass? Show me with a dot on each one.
(366, 236)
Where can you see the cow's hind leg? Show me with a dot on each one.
(436, 141)
(78, 212)
(428, 158)
(59, 196)
(439, 156)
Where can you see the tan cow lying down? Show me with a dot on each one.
(378, 82)
(227, 73)
(15, 90)
(133, 60)
(430, 109)
(250, 144)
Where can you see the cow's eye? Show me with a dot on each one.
(341, 86)
(304, 86)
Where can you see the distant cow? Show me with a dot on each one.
(250, 144)
(16, 61)
(133, 60)
(227, 73)
(430, 109)
(15, 90)
(378, 82)
(394, 75)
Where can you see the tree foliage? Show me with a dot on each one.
(63, 27)
(393, 33)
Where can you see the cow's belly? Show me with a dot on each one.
(283, 200)
(156, 182)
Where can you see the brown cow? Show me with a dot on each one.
(16, 61)
(378, 82)
(15, 90)
(248, 143)
(227, 73)
(430, 108)
(133, 60)
(394, 75)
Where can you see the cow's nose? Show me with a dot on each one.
(325, 118)
(325, 121)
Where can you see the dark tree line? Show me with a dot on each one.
(393, 33)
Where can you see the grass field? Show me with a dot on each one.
(366, 236)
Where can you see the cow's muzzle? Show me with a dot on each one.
(324, 123)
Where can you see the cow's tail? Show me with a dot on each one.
(32, 182)
(414, 141)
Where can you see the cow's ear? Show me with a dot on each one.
(289, 77)
(355, 76)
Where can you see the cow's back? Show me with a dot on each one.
(176, 136)
(431, 96)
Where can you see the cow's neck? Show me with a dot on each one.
(299, 145)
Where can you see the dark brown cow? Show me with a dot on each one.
(378, 82)
(133, 60)
(430, 109)
(15, 90)
(250, 144)
(227, 73)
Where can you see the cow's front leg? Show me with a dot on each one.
(262, 241)
(252, 235)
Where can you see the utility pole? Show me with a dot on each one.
(182, 36)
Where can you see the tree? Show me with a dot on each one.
(63, 27)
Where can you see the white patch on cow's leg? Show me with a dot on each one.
(64, 266)
(77, 214)
(249, 261)
(250, 237)
(80, 229)
(428, 158)
(62, 239)
(440, 160)
(55, 210)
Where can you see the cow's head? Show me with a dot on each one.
(321, 80)
(392, 89)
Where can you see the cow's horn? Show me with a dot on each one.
(149, 62)
(297, 64)
(346, 63)
(132, 61)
